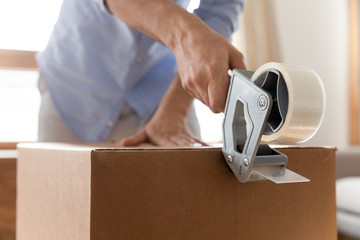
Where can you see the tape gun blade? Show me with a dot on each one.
(279, 174)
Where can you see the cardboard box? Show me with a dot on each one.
(74, 192)
(7, 194)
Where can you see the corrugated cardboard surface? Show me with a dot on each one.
(7, 196)
(53, 194)
(92, 193)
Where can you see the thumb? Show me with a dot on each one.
(135, 139)
(236, 60)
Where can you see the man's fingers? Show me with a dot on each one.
(237, 60)
(217, 98)
(217, 91)
(197, 87)
(218, 88)
(136, 139)
(200, 142)
(201, 95)
(197, 143)
(186, 140)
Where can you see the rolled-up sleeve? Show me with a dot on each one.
(221, 15)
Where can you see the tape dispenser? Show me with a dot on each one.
(278, 103)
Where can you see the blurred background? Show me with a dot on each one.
(25, 29)
(317, 34)
(322, 35)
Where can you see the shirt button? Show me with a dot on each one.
(138, 58)
(110, 123)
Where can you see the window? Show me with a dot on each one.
(19, 103)
(25, 25)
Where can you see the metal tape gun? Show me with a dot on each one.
(277, 103)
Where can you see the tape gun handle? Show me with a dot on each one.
(243, 126)
(244, 122)
(247, 73)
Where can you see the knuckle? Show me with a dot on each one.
(216, 106)
(197, 80)
(187, 84)
(210, 70)
(195, 77)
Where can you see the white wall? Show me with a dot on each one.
(314, 34)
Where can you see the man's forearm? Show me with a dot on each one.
(203, 57)
(176, 101)
(162, 20)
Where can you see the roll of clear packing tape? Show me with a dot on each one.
(298, 102)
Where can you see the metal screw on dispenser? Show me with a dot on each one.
(230, 158)
(246, 161)
(262, 103)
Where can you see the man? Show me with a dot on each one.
(114, 65)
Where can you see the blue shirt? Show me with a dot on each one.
(94, 64)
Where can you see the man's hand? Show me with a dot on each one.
(164, 130)
(203, 56)
(167, 127)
